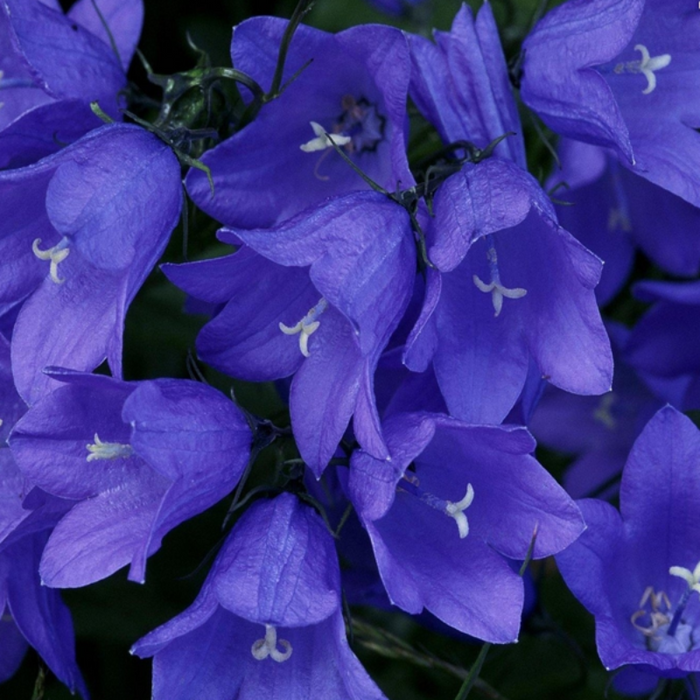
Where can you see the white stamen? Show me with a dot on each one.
(456, 511)
(692, 578)
(108, 450)
(647, 66)
(323, 140)
(56, 255)
(306, 326)
(262, 648)
(498, 291)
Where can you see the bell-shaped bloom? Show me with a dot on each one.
(511, 287)
(267, 624)
(136, 460)
(352, 85)
(637, 570)
(52, 66)
(81, 231)
(317, 296)
(598, 430)
(445, 514)
(622, 74)
(612, 211)
(663, 346)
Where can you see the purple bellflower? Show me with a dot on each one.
(354, 87)
(637, 570)
(663, 346)
(443, 515)
(267, 624)
(81, 231)
(317, 296)
(53, 65)
(622, 74)
(511, 286)
(136, 459)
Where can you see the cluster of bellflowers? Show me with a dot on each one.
(428, 320)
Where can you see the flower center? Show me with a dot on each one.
(665, 629)
(56, 255)
(647, 65)
(108, 450)
(262, 648)
(495, 288)
(359, 128)
(308, 325)
(455, 510)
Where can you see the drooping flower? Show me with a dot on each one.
(352, 85)
(512, 288)
(637, 570)
(81, 231)
(268, 621)
(52, 66)
(453, 503)
(317, 297)
(135, 460)
(622, 74)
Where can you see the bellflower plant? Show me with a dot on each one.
(636, 570)
(267, 622)
(135, 459)
(81, 232)
(52, 66)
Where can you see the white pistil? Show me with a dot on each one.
(262, 648)
(495, 288)
(647, 66)
(692, 578)
(498, 291)
(108, 450)
(306, 326)
(456, 511)
(56, 255)
(323, 140)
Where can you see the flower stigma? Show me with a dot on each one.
(108, 450)
(307, 326)
(455, 510)
(647, 65)
(56, 255)
(262, 648)
(495, 288)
